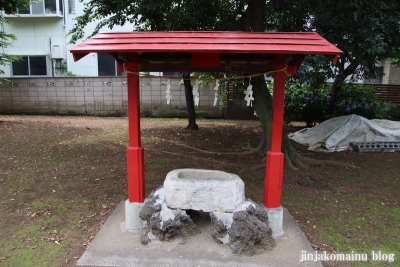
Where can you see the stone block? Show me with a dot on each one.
(61, 94)
(7, 99)
(108, 98)
(146, 93)
(206, 190)
(98, 83)
(98, 98)
(5, 93)
(80, 94)
(59, 83)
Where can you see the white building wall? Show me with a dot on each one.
(35, 33)
(34, 37)
(392, 73)
(86, 66)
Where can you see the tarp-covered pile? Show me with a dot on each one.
(336, 134)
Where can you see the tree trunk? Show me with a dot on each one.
(190, 103)
(335, 88)
(340, 78)
(263, 107)
(252, 20)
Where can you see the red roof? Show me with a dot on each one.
(305, 43)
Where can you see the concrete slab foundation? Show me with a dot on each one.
(115, 247)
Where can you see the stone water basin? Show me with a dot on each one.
(206, 190)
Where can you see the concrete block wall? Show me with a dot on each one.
(154, 102)
(98, 96)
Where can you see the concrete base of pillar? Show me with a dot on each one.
(275, 220)
(132, 219)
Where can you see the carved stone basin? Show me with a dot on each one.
(206, 190)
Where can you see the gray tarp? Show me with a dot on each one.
(336, 134)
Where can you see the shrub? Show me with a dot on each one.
(393, 112)
(361, 100)
(306, 103)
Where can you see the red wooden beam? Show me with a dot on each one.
(134, 152)
(206, 59)
(275, 158)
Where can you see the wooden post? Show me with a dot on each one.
(275, 157)
(134, 152)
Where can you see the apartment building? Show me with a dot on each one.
(42, 30)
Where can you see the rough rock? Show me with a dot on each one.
(206, 190)
(145, 238)
(150, 206)
(245, 231)
(165, 223)
(181, 226)
(220, 223)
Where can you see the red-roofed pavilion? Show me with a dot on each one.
(240, 52)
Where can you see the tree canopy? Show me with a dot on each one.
(156, 15)
(366, 31)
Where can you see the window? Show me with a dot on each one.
(177, 74)
(375, 77)
(25, 10)
(71, 6)
(44, 7)
(107, 66)
(30, 66)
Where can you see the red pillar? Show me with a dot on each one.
(134, 152)
(275, 158)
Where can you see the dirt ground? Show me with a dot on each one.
(61, 177)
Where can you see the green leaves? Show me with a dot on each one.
(304, 102)
(12, 6)
(154, 15)
(364, 30)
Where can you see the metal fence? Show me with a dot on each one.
(388, 92)
(385, 92)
